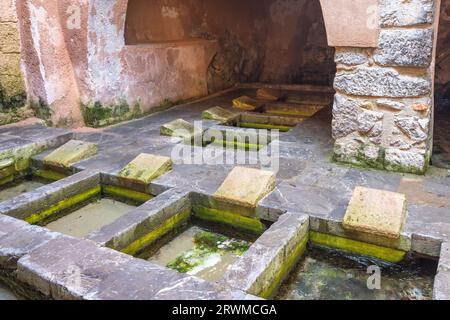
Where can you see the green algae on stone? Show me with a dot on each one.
(38, 218)
(236, 221)
(49, 174)
(264, 126)
(219, 114)
(146, 168)
(217, 242)
(126, 193)
(367, 249)
(98, 115)
(169, 225)
(70, 153)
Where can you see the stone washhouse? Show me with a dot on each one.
(224, 150)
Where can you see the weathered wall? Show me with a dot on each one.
(383, 108)
(12, 87)
(443, 52)
(276, 41)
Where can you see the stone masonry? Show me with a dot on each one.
(383, 109)
(12, 88)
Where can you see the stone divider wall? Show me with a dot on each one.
(383, 109)
(12, 87)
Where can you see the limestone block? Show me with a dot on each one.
(269, 94)
(400, 13)
(368, 119)
(405, 48)
(414, 128)
(146, 167)
(179, 128)
(219, 114)
(345, 116)
(351, 56)
(246, 186)
(70, 153)
(247, 103)
(441, 288)
(376, 212)
(381, 82)
(405, 161)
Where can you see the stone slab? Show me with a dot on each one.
(68, 268)
(270, 259)
(146, 167)
(246, 186)
(178, 128)
(219, 114)
(269, 94)
(247, 104)
(70, 153)
(376, 212)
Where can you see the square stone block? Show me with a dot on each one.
(269, 94)
(246, 186)
(377, 212)
(247, 103)
(219, 114)
(70, 153)
(146, 167)
(178, 128)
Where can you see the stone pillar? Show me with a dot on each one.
(383, 109)
(12, 88)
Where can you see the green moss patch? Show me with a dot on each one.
(238, 222)
(125, 193)
(371, 250)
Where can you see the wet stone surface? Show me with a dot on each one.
(326, 274)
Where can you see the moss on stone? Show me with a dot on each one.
(126, 193)
(49, 174)
(63, 205)
(98, 115)
(146, 240)
(284, 271)
(238, 222)
(6, 180)
(42, 111)
(237, 145)
(371, 250)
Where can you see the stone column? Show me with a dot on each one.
(12, 89)
(383, 109)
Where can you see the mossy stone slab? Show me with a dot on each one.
(378, 212)
(178, 128)
(246, 103)
(246, 186)
(70, 153)
(269, 94)
(5, 163)
(219, 114)
(146, 167)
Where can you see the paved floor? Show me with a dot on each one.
(308, 180)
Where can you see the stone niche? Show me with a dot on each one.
(12, 88)
(383, 109)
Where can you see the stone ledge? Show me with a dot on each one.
(270, 259)
(72, 152)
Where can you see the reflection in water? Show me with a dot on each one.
(326, 274)
(6, 294)
(201, 253)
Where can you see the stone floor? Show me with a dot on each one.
(307, 182)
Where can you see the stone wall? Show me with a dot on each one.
(12, 89)
(383, 110)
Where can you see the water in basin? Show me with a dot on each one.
(6, 294)
(200, 252)
(19, 187)
(326, 274)
(91, 217)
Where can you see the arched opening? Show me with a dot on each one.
(264, 41)
(441, 154)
